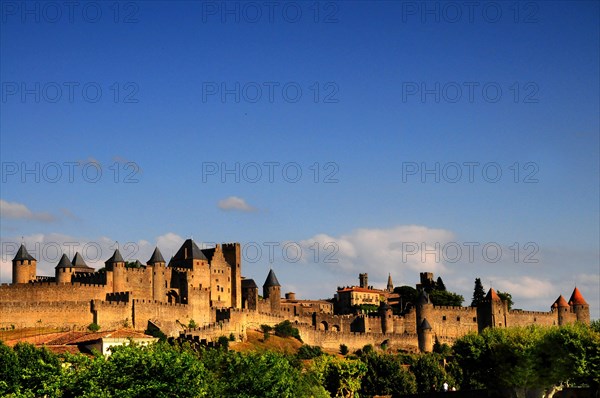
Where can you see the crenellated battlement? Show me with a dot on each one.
(159, 303)
(46, 304)
(134, 271)
(455, 308)
(524, 312)
(119, 296)
(103, 303)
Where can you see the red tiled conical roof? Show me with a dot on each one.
(577, 298)
(492, 295)
(560, 302)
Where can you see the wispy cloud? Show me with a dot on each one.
(18, 211)
(234, 203)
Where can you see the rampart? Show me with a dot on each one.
(51, 292)
(354, 341)
(48, 314)
(526, 318)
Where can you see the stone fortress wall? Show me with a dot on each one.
(206, 286)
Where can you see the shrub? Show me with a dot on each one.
(285, 329)
(192, 324)
(231, 337)
(343, 349)
(309, 352)
(93, 327)
(223, 342)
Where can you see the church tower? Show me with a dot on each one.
(390, 285)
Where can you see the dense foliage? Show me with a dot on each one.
(478, 293)
(530, 360)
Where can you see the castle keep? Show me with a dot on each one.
(206, 286)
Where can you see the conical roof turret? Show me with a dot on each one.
(577, 298)
(115, 258)
(271, 280)
(64, 262)
(23, 254)
(157, 257)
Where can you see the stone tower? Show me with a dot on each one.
(272, 292)
(24, 266)
(233, 254)
(249, 294)
(158, 264)
(386, 314)
(116, 265)
(390, 285)
(580, 307)
(423, 308)
(190, 257)
(491, 311)
(363, 280)
(425, 337)
(64, 270)
(562, 309)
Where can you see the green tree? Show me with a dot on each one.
(408, 294)
(223, 342)
(470, 354)
(343, 349)
(441, 297)
(267, 374)
(285, 329)
(341, 377)
(386, 376)
(507, 297)
(429, 372)
(9, 370)
(478, 293)
(439, 285)
(531, 360)
(158, 370)
(309, 352)
(443, 349)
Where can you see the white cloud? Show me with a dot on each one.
(18, 211)
(524, 287)
(235, 203)
(378, 250)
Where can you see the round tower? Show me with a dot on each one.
(63, 270)
(272, 292)
(580, 307)
(386, 314)
(562, 309)
(423, 307)
(24, 266)
(116, 265)
(425, 337)
(157, 262)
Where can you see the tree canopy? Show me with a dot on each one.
(478, 293)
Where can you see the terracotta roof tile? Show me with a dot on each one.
(492, 295)
(577, 298)
(560, 302)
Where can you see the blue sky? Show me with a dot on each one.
(368, 93)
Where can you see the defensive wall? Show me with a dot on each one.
(50, 291)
